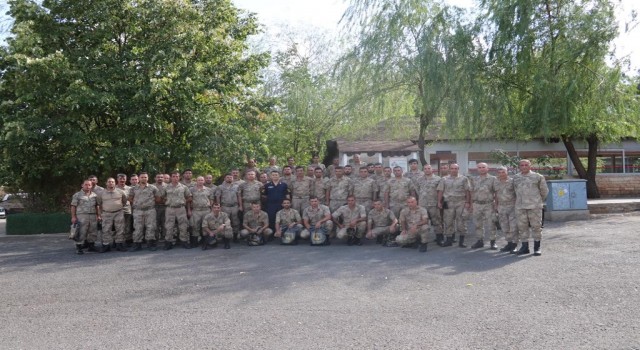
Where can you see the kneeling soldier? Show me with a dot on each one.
(382, 223)
(288, 224)
(414, 221)
(256, 225)
(216, 225)
(317, 222)
(351, 220)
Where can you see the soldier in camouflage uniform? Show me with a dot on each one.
(483, 208)
(427, 190)
(288, 220)
(143, 198)
(256, 222)
(95, 187)
(86, 213)
(531, 192)
(315, 162)
(316, 218)
(216, 224)
(454, 197)
(301, 188)
(128, 214)
(319, 186)
(338, 189)
(111, 202)
(208, 182)
(177, 197)
(187, 175)
(414, 173)
(505, 202)
(399, 189)
(414, 223)
(160, 209)
(365, 189)
(287, 175)
(272, 166)
(331, 169)
(382, 223)
(250, 191)
(227, 194)
(201, 199)
(356, 164)
(351, 221)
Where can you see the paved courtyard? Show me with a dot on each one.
(582, 293)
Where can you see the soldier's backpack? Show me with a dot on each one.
(318, 238)
(255, 240)
(288, 237)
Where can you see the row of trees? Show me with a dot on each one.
(118, 85)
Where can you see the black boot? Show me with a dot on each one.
(357, 241)
(327, 240)
(105, 248)
(120, 247)
(507, 248)
(91, 247)
(167, 245)
(514, 248)
(152, 245)
(204, 243)
(524, 249)
(479, 243)
(186, 245)
(423, 248)
(193, 240)
(235, 237)
(226, 243)
(349, 240)
(136, 247)
(461, 242)
(79, 249)
(439, 239)
(379, 239)
(448, 242)
(453, 238)
(536, 248)
(493, 245)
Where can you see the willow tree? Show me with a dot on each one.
(550, 76)
(415, 58)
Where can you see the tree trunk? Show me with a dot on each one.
(421, 142)
(588, 174)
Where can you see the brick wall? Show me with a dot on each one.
(619, 185)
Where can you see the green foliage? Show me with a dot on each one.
(119, 85)
(33, 224)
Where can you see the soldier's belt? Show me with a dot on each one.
(501, 203)
(363, 198)
(482, 202)
(114, 211)
(300, 197)
(201, 208)
(94, 213)
(230, 205)
(176, 206)
(143, 208)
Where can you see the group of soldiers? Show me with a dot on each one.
(314, 203)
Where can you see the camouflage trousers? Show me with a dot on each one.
(484, 218)
(232, 211)
(408, 238)
(381, 230)
(227, 232)
(325, 229)
(300, 203)
(88, 227)
(435, 219)
(266, 233)
(160, 211)
(144, 221)
(455, 218)
(360, 228)
(508, 222)
(526, 218)
(172, 215)
(116, 221)
(196, 221)
(128, 227)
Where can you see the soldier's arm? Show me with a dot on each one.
(240, 206)
(306, 224)
(440, 199)
(327, 195)
(74, 218)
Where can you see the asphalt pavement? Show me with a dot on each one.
(582, 293)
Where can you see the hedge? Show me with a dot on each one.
(37, 223)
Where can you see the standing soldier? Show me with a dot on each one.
(337, 190)
(216, 225)
(427, 189)
(531, 192)
(414, 173)
(357, 164)
(112, 202)
(454, 197)
(399, 189)
(208, 182)
(331, 169)
(287, 174)
(86, 213)
(272, 166)
(128, 217)
(505, 202)
(256, 225)
(143, 198)
(288, 224)
(95, 187)
(351, 220)
(228, 196)
(382, 223)
(483, 208)
(177, 197)
(317, 222)
(365, 189)
(250, 191)
(414, 222)
(160, 209)
(348, 171)
(133, 180)
(315, 162)
(251, 166)
(301, 189)
(291, 162)
(187, 175)
(319, 186)
(236, 176)
(201, 199)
